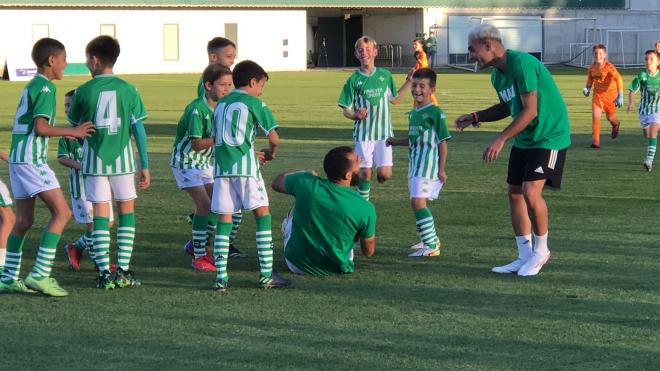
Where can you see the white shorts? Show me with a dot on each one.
(424, 188)
(106, 188)
(5, 197)
(189, 178)
(29, 180)
(646, 120)
(233, 194)
(83, 211)
(374, 152)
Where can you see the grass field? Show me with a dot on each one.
(596, 305)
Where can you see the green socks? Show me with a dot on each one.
(46, 255)
(650, 149)
(199, 234)
(101, 241)
(265, 245)
(235, 223)
(364, 187)
(221, 251)
(125, 238)
(13, 258)
(426, 227)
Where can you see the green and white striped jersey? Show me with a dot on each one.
(72, 149)
(649, 101)
(37, 100)
(373, 92)
(196, 122)
(236, 119)
(113, 105)
(426, 129)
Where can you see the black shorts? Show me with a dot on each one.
(536, 164)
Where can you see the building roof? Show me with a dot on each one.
(313, 4)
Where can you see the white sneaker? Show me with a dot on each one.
(425, 251)
(648, 165)
(534, 264)
(512, 267)
(417, 246)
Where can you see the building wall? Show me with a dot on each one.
(140, 33)
(557, 35)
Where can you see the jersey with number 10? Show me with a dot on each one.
(37, 100)
(374, 93)
(236, 119)
(113, 105)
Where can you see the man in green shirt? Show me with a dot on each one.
(329, 216)
(540, 126)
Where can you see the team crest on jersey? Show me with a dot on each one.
(45, 89)
(425, 115)
(507, 94)
(381, 78)
(360, 82)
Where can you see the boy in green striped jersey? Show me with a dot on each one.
(7, 217)
(365, 100)
(238, 183)
(220, 50)
(427, 155)
(192, 160)
(649, 105)
(69, 154)
(31, 176)
(108, 165)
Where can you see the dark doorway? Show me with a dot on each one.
(329, 32)
(353, 27)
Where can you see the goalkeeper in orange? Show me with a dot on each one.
(608, 93)
(421, 61)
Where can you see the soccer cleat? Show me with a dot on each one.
(235, 252)
(274, 281)
(47, 286)
(595, 145)
(15, 287)
(417, 246)
(203, 264)
(74, 255)
(425, 251)
(124, 279)
(648, 165)
(512, 267)
(221, 287)
(534, 264)
(189, 248)
(615, 131)
(105, 281)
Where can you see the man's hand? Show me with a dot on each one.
(83, 130)
(464, 121)
(619, 100)
(493, 150)
(585, 91)
(145, 179)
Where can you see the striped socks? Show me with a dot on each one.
(125, 238)
(265, 245)
(221, 251)
(13, 258)
(426, 227)
(45, 256)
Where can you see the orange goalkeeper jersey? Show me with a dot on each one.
(605, 79)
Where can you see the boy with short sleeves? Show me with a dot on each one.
(31, 176)
(365, 99)
(238, 182)
(108, 165)
(427, 155)
(648, 82)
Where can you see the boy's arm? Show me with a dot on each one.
(590, 82)
(141, 144)
(396, 142)
(199, 144)
(42, 129)
(630, 100)
(404, 88)
(368, 245)
(4, 156)
(442, 160)
(69, 162)
(273, 145)
(359, 114)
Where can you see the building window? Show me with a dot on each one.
(39, 31)
(108, 29)
(231, 32)
(285, 54)
(285, 42)
(171, 42)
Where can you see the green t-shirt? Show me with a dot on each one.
(649, 102)
(431, 44)
(373, 92)
(196, 122)
(327, 221)
(201, 92)
(426, 129)
(73, 150)
(37, 100)
(236, 119)
(113, 105)
(550, 129)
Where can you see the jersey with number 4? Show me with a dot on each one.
(113, 105)
(37, 100)
(236, 119)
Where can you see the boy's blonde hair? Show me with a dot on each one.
(366, 40)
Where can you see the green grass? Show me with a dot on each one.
(596, 305)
